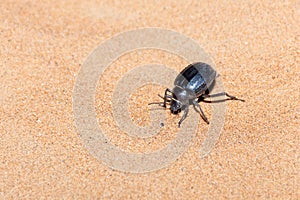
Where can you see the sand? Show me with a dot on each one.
(44, 45)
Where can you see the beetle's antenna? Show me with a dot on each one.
(159, 103)
(160, 96)
(162, 103)
(158, 108)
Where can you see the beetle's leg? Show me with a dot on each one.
(233, 97)
(222, 94)
(166, 96)
(204, 96)
(199, 110)
(185, 112)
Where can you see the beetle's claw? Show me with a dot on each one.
(205, 119)
(235, 98)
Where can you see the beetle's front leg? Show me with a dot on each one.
(166, 96)
(185, 112)
(199, 110)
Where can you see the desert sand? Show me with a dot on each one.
(44, 45)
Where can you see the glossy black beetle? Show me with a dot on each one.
(191, 87)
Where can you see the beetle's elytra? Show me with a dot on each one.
(190, 87)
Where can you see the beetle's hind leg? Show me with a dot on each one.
(233, 97)
(230, 97)
(200, 111)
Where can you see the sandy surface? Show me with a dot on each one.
(255, 46)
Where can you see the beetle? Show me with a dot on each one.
(192, 86)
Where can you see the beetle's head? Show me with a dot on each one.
(175, 106)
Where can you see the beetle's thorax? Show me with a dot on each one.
(183, 95)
